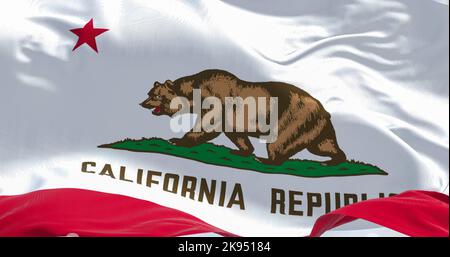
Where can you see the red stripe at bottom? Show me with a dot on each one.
(413, 213)
(58, 212)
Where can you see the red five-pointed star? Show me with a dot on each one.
(87, 35)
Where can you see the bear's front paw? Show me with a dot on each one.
(241, 152)
(179, 142)
(175, 141)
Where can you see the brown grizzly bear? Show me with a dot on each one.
(303, 123)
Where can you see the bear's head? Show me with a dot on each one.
(159, 98)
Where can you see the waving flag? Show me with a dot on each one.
(240, 118)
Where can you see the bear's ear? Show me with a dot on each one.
(168, 83)
(156, 84)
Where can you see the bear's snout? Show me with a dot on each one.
(146, 104)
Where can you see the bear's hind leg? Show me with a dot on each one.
(326, 145)
(277, 152)
(242, 142)
(328, 148)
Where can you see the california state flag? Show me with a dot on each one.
(237, 118)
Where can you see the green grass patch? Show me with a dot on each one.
(220, 155)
